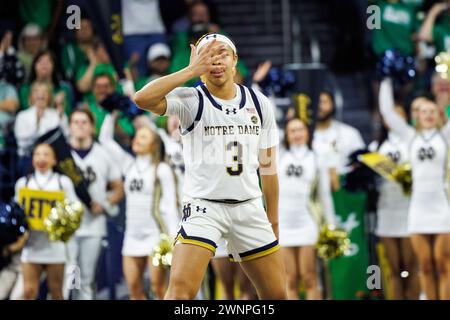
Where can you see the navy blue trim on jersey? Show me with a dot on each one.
(209, 96)
(216, 104)
(257, 105)
(198, 116)
(243, 97)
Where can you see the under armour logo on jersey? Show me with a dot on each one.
(294, 171)
(231, 110)
(136, 185)
(89, 175)
(426, 153)
(186, 211)
(395, 156)
(201, 209)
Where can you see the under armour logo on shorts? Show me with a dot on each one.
(186, 211)
(229, 111)
(426, 153)
(201, 209)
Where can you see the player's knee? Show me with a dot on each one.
(276, 294)
(180, 289)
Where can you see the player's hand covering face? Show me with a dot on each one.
(215, 62)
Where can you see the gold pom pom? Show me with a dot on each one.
(63, 220)
(162, 253)
(333, 242)
(443, 64)
(403, 175)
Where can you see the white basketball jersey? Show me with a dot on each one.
(429, 159)
(221, 147)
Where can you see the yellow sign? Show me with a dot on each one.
(381, 164)
(37, 205)
(384, 166)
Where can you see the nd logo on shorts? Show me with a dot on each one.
(187, 210)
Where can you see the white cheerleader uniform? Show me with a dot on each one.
(393, 204)
(38, 248)
(142, 231)
(299, 170)
(429, 209)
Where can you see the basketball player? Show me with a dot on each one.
(229, 132)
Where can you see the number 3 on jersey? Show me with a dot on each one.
(236, 149)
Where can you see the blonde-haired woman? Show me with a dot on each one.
(392, 218)
(37, 120)
(429, 209)
(151, 206)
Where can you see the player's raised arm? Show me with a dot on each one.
(152, 96)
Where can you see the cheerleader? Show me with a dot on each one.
(40, 254)
(151, 207)
(299, 173)
(101, 173)
(392, 220)
(429, 209)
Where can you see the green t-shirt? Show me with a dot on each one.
(441, 33)
(72, 59)
(398, 23)
(124, 122)
(39, 12)
(182, 52)
(24, 94)
(107, 68)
